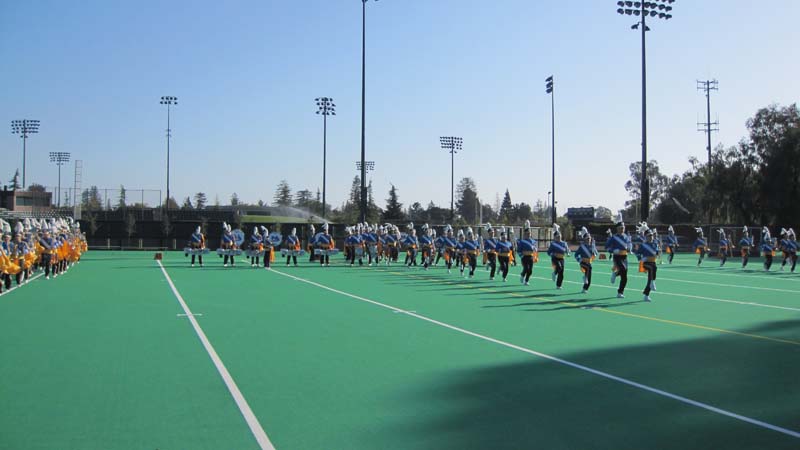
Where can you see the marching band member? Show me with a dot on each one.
(585, 254)
(647, 254)
(267, 246)
(19, 249)
(6, 247)
(392, 243)
(700, 246)
(745, 243)
(793, 248)
(472, 248)
(450, 243)
(558, 249)
(438, 244)
(767, 248)
(527, 247)
(371, 242)
(786, 247)
(227, 243)
(411, 244)
(461, 251)
(619, 245)
(426, 244)
(353, 243)
(512, 259)
(256, 247)
(198, 242)
(724, 247)
(310, 244)
(505, 249)
(490, 251)
(670, 242)
(292, 244)
(48, 244)
(324, 242)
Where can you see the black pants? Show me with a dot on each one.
(492, 258)
(267, 254)
(311, 255)
(767, 261)
(254, 260)
(621, 263)
(411, 257)
(702, 256)
(473, 262)
(426, 257)
(651, 268)
(794, 261)
(393, 253)
(723, 257)
(587, 272)
(745, 258)
(46, 258)
(291, 257)
(438, 257)
(7, 281)
(353, 258)
(527, 267)
(225, 260)
(199, 258)
(504, 260)
(324, 259)
(558, 268)
(671, 255)
(451, 256)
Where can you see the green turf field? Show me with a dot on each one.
(395, 358)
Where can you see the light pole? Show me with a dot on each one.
(326, 108)
(708, 126)
(657, 9)
(550, 89)
(363, 109)
(453, 145)
(169, 101)
(60, 158)
(24, 127)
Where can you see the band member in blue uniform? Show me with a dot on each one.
(370, 238)
(392, 244)
(647, 254)
(450, 243)
(411, 243)
(767, 248)
(48, 244)
(619, 245)
(267, 245)
(197, 241)
(426, 246)
(310, 243)
(354, 243)
(585, 254)
(527, 249)
(557, 251)
(700, 246)
(438, 244)
(725, 247)
(670, 243)
(793, 249)
(505, 249)
(745, 244)
(786, 247)
(324, 242)
(256, 247)
(19, 248)
(472, 248)
(292, 243)
(227, 243)
(490, 250)
(461, 251)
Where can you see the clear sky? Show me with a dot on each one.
(246, 74)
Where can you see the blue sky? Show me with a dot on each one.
(247, 72)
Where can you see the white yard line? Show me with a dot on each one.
(609, 376)
(244, 408)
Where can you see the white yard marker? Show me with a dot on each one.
(249, 417)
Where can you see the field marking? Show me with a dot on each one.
(17, 287)
(789, 291)
(606, 375)
(609, 311)
(669, 267)
(244, 408)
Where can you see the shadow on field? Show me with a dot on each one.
(546, 405)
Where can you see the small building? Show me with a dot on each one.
(26, 201)
(580, 216)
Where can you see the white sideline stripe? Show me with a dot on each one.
(609, 376)
(788, 291)
(671, 294)
(15, 288)
(244, 408)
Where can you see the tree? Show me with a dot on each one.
(234, 199)
(373, 211)
(659, 184)
(15, 181)
(394, 209)
(436, 214)
(91, 199)
(261, 203)
(603, 213)
(303, 199)
(187, 204)
(283, 194)
(506, 212)
(467, 200)
(416, 213)
(166, 225)
(521, 212)
(170, 203)
(91, 218)
(122, 202)
(36, 187)
(200, 200)
(130, 226)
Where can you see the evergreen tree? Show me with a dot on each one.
(394, 209)
(235, 199)
(123, 202)
(467, 200)
(506, 212)
(15, 181)
(200, 200)
(283, 194)
(187, 203)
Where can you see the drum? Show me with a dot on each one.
(254, 253)
(238, 236)
(275, 238)
(229, 252)
(359, 252)
(195, 251)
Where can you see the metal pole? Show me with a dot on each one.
(24, 141)
(363, 106)
(59, 185)
(645, 200)
(708, 121)
(553, 140)
(168, 133)
(452, 182)
(324, 158)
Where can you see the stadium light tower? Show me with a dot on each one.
(169, 101)
(326, 108)
(60, 158)
(657, 9)
(453, 145)
(549, 85)
(363, 108)
(24, 127)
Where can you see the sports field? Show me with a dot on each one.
(105, 357)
